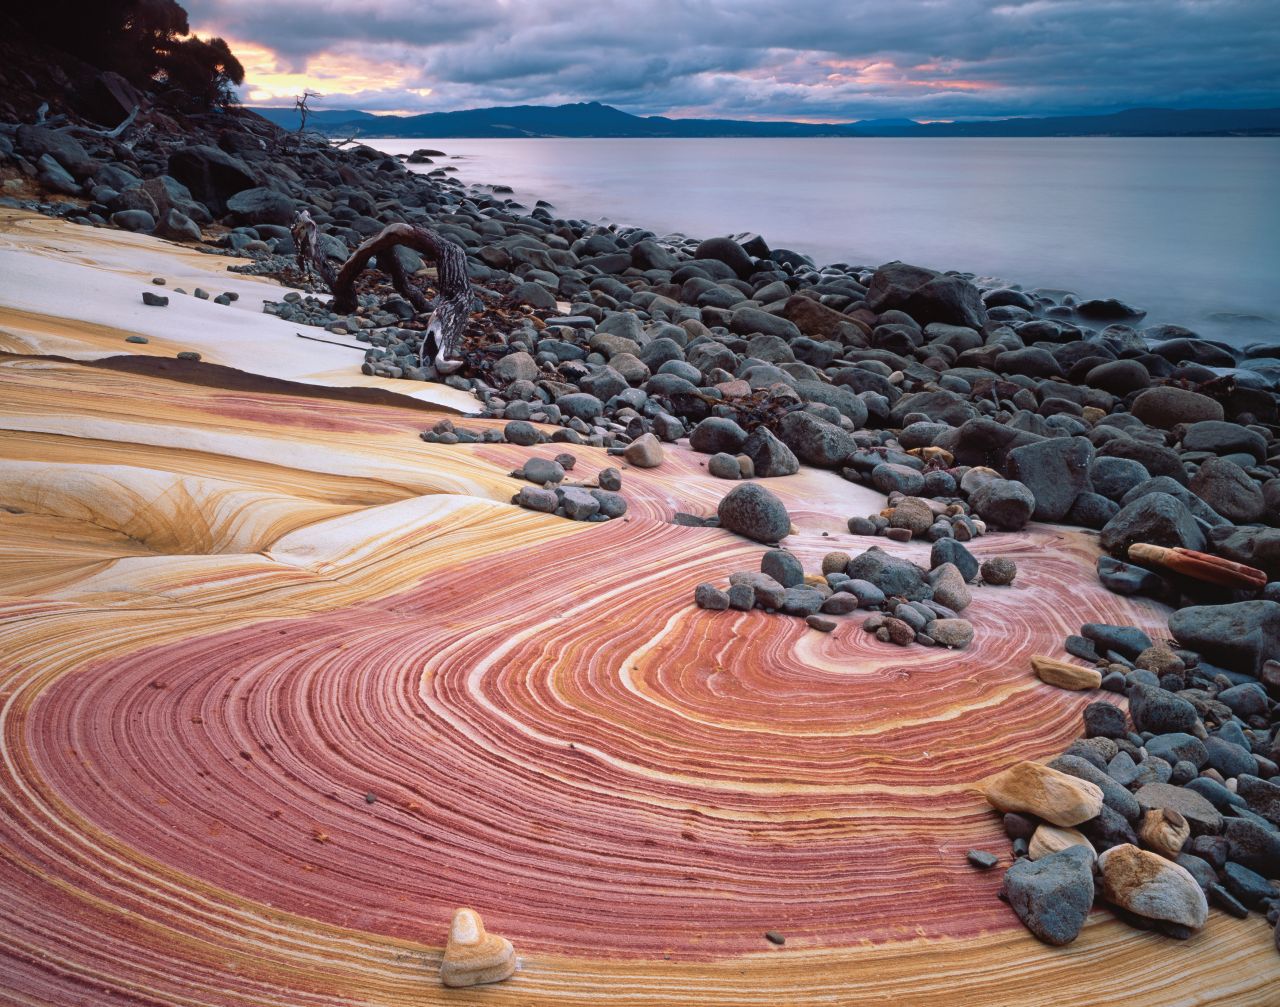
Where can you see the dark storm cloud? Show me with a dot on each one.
(832, 59)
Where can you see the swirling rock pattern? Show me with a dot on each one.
(283, 686)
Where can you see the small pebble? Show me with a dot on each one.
(773, 937)
(136, 339)
(154, 300)
(998, 571)
(982, 860)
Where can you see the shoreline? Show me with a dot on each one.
(1238, 313)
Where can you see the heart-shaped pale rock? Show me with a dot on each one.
(473, 955)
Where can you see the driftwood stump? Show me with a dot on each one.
(451, 307)
(447, 313)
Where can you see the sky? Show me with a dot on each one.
(809, 60)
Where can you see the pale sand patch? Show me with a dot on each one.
(76, 291)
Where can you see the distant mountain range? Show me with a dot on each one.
(592, 119)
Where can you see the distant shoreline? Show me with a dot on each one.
(725, 136)
(592, 120)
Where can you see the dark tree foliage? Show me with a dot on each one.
(145, 41)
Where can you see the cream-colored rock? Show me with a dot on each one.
(1164, 831)
(474, 956)
(1064, 674)
(645, 452)
(1052, 838)
(1147, 884)
(1046, 793)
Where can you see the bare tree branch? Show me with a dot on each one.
(110, 134)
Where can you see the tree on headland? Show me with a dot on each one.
(148, 42)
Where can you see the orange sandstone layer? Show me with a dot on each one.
(281, 686)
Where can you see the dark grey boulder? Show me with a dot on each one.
(604, 383)
(1120, 377)
(949, 550)
(716, 434)
(983, 441)
(1104, 720)
(748, 320)
(1262, 796)
(752, 511)
(1129, 641)
(40, 141)
(1240, 636)
(940, 405)
(783, 567)
(1005, 504)
(542, 471)
(1156, 519)
(1160, 711)
(1092, 510)
(1052, 896)
(729, 252)
(1108, 309)
(53, 176)
(1229, 490)
(1163, 484)
(177, 226)
(1056, 471)
(134, 220)
(261, 205)
(1252, 546)
(815, 441)
(1157, 459)
(1128, 579)
(1224, 438)
(580, 405)
(769, 456)
(1200, 814)
(1031, 361)
(1114, 477)
(1255, 847)
(213, 176)
(533, 294)
(836, 396)
(1230, 759)
(894, 576)
(926, 295)
(1178, 747)
(1169, 405)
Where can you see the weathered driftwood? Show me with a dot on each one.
(450, 309)
(306, 248)
(1199, 565)
(110, 134)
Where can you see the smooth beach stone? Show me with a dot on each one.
(754, 512)
(1150, 886)
(1056, 797)
(1052, 894)
(710, 597)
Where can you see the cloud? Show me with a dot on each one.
(828, 59)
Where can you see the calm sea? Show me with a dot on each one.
(1188, 229)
